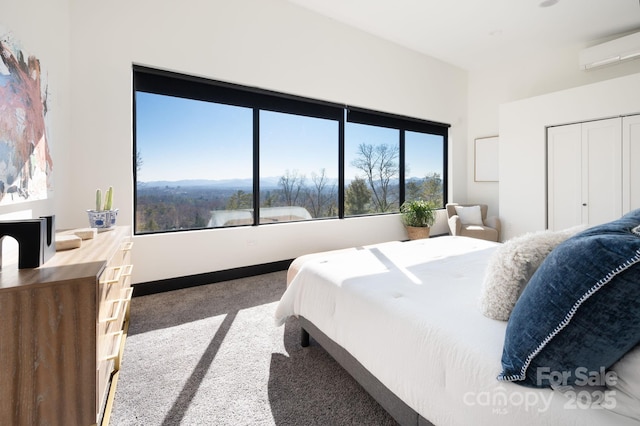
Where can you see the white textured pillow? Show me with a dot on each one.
(469, 215)
(627, 387)
(512, 265)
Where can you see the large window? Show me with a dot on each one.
(298, 167)
(194, 158)
(424, 169)
(210, 154)
(372, 171)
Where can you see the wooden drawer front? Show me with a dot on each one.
(115, 298)
(112, 346)
(114, 280)
(126, 297)
(112, 275)
(104, 372)
(126, 251)
(110, 293)
(127, 269)
(109, 355)
(114, 314)
(123, 255)
(113, 286)
(114, 307)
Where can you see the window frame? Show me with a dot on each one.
(162, 82)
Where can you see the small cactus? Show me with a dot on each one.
(98, 200)
(108, 199)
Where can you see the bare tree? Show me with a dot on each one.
(378, 162)
(292, 184)
(320, 196)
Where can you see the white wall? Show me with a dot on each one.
(523, 142)
(270, 44)
(515, 78)
(88, 49)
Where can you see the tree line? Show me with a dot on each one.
(374, 190)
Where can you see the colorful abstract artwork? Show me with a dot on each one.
(25, 160)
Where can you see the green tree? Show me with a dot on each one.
(357, 197)
(414, 190)
(240, 200)
(269, 199)
(432, 189)
(200, 221)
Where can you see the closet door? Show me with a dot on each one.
(630, 163)
(564, 176)
(584, 173)
(601, 171)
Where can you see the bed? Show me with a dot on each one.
(403, 319)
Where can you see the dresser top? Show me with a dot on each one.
(85, 261)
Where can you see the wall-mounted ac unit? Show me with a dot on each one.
(618, 50)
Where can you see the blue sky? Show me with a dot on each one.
(186, 139)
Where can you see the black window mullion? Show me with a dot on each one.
(341, 167)
(445, 169)
(135, 161)
(256, 167)
(401, 164)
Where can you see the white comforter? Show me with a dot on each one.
(408, 312)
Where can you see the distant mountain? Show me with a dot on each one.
(269, 182)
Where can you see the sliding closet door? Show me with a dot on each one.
(564, 176)
(601, 171)
(631, 163)
(584, 173)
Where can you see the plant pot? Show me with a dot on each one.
(417, 232)
(103, 219)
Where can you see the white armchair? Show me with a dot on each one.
(470, 220)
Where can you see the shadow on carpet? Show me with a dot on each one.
(308, 387)
(211, 355)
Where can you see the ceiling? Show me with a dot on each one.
(473, 33)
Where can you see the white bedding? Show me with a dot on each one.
(408, 312)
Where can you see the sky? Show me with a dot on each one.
(181, 139)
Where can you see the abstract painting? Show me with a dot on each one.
(25, 160)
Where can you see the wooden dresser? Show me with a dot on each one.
(62, 333)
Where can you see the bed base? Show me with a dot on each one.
(397, 408)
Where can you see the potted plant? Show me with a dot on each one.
(418, 216)
(103, 218)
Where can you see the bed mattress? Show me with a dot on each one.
(408, 312)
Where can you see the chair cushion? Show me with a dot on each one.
(469, 215)
(580, 311)
(480, 232)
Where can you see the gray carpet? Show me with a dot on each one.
(211, 355)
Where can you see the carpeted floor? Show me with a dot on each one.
(211, 355)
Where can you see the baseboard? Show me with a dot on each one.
(169, 284)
